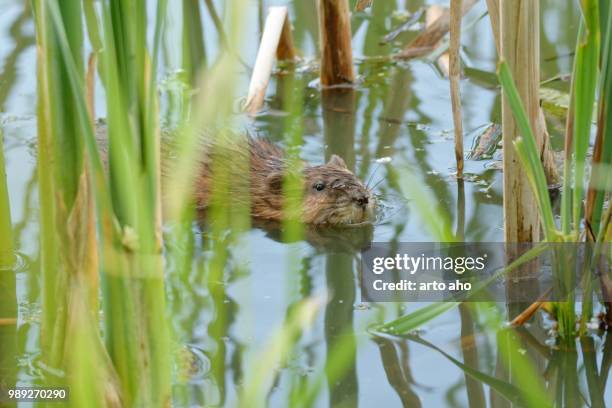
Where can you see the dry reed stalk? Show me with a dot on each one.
(335, 42)
(455, 76)
(286, 50)
(519, 40)
(272, 44)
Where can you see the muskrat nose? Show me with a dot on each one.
(362, 200)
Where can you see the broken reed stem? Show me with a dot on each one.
(455, 76)
(525, 315)
(276, 27)
(286, 51)
(335, 43)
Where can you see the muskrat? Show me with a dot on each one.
(332, 194)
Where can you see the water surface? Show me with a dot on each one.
(398, 110)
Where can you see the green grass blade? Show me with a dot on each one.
(414, 320)
(585, 83)
(525, 374)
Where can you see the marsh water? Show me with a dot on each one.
(398, 111)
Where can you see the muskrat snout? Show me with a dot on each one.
(362, 200)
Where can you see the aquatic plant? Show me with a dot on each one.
(585, 81)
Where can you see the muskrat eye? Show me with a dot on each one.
(319, 186)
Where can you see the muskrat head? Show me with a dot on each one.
(333, 195)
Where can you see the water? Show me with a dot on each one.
(400, 111)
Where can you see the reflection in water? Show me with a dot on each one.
(397, 368)
(338, 107)
(469, 349)
(22, 41)
(324, 238)
(339, 330)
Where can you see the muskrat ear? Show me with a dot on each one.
(274, 181)
(337, 161)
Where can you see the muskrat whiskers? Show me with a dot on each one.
(377, 184)
(367, 184)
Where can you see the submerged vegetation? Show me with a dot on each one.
(147, 300)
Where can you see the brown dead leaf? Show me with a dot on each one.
(363, 4)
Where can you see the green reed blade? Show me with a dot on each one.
(511, 392)
(416, 319)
